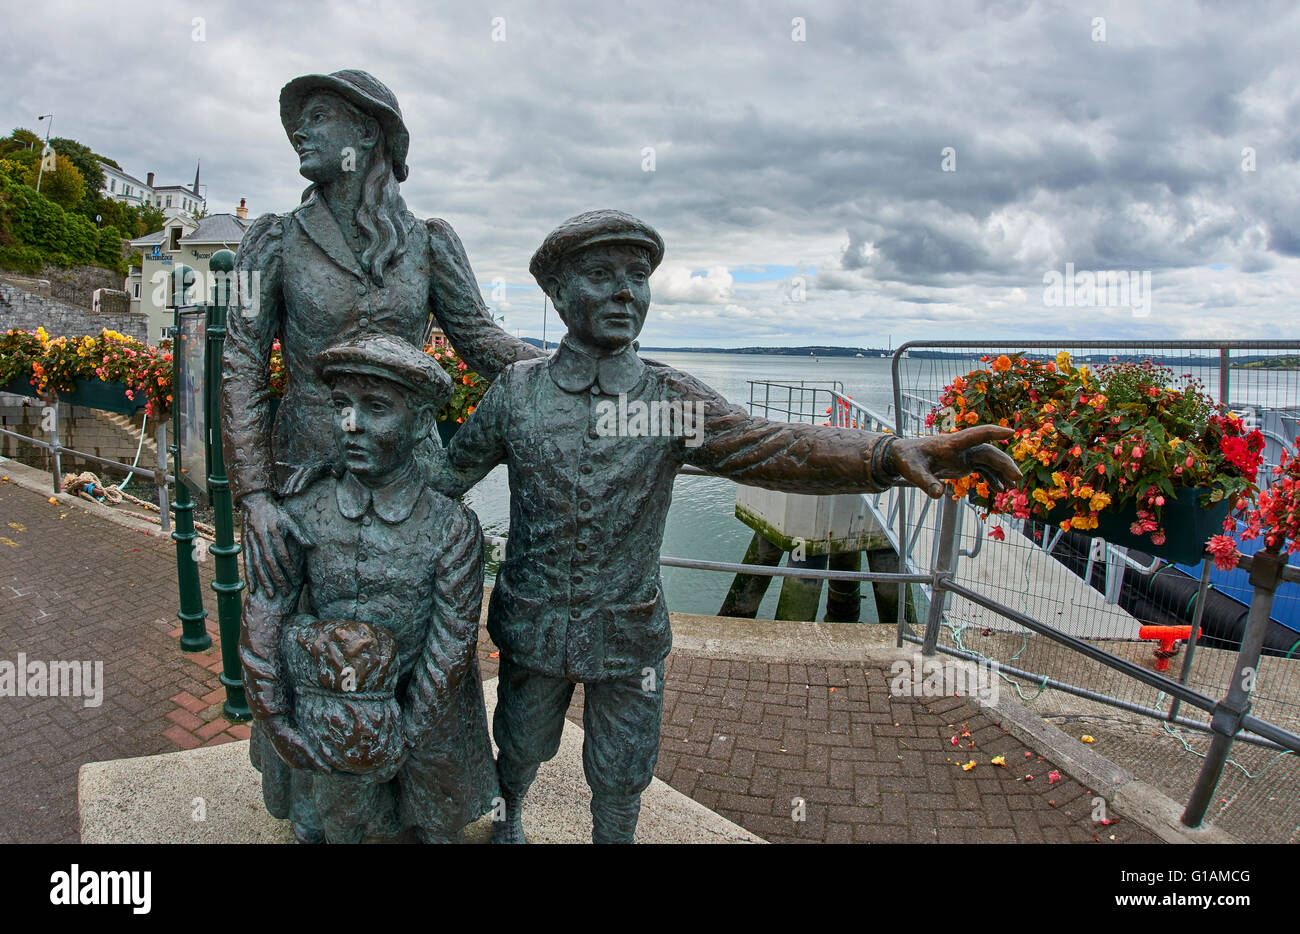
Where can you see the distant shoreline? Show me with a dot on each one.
(809, 351)
(1255, 361)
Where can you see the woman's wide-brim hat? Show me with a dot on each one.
(364, 91)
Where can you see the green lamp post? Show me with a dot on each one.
(194, 633)
(225, 552)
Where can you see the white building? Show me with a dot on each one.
(183, 241)
(125, 188)
(172, 200)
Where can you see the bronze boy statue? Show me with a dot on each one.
(362, 674)
(578, 597)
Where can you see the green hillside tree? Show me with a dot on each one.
(65, 186)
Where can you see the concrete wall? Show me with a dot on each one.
(28, 311)
(100, 433)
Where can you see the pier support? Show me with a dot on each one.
(844, 598)
(801, 596)
(747, 590)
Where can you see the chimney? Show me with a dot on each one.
(242, 210)
(148, 179)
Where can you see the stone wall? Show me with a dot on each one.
(76, 284)
(28, 311)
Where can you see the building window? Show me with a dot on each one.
(169, 201)
(137, 290)
(176, 239)
(112, 185)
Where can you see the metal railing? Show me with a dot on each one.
(56, 450)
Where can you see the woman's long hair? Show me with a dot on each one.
(382, 214)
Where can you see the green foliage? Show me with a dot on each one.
(22, 158)
(151, 218)
(24, 259)
(64, 185)
(109, 250)
(21, 139)
(110, 212)
(86, 162)
(34, 227)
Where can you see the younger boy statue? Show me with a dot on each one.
(594, 436)
(363, 677)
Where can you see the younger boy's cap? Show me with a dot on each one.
(591, 229)
(388, 358)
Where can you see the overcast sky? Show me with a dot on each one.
(799, 149)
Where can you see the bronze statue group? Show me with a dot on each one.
(365, 571)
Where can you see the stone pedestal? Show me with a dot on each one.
(213, 795)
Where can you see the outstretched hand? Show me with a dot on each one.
(926, 462)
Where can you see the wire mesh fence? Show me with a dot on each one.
(1107, 594)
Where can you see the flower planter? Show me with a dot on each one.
(19, 386)
(90, 393)
(107, 397)
(1187, 526)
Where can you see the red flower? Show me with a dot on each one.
(1224, 550)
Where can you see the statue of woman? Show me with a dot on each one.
(348, 262)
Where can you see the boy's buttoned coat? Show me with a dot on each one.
(579, 595)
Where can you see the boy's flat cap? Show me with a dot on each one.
(591, 229)
(388, 358)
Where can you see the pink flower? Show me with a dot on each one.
(1224, 550)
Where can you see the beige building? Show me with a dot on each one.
(182, 242)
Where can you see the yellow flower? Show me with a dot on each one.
(1087, 739)
(1174, 442)
(968, 766)
(1063, 361)
(1041, 496)
(1099, 501)
(1058, 478)
(1000, 760)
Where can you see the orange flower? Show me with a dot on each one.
(1002, 364)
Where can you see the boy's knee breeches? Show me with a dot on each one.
(620, 722)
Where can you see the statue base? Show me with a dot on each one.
(213, 795)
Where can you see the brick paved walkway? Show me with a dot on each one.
(744, 739)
